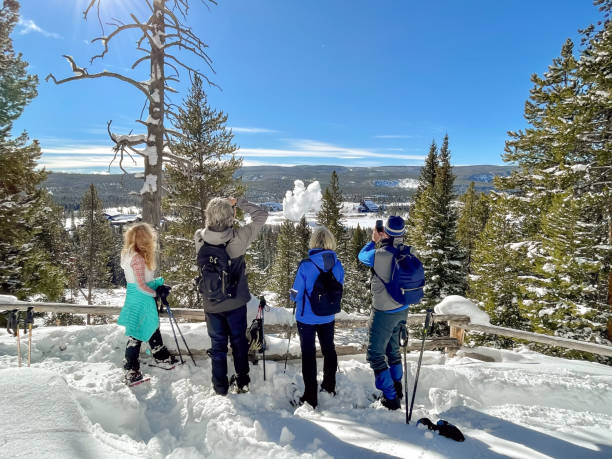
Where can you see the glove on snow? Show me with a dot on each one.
(444, 428)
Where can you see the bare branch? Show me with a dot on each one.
(81, 74)
(105, 40)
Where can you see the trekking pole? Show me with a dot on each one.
(262, 307)
(289, 341)
(426, 329)
(14, 325)
(173, 332)
(171, 315)
(403, 342)
(29, 319)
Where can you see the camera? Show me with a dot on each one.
(379, 226)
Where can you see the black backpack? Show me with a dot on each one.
(326, 293)
(215, 281)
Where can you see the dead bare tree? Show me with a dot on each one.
(161, 37)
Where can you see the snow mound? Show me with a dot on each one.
(8, 299)
(47, 421)
(455, 304)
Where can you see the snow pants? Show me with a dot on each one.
(222, 326)
(383, 339)
(325, 332)
(132, 350)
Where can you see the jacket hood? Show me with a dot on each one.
(324, 259)
(216, 237)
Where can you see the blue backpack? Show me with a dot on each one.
(407, 276)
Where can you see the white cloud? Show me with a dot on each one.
(252, 130)
(27, 25)
(316, 149)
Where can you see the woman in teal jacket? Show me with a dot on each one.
(139, 313)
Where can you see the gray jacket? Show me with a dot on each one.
(380, 260)
(238, 241)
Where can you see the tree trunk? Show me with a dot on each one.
(151, 192)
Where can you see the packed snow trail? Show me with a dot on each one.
(514, 404)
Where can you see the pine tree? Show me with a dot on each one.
(285, 264)
(95, 243)
(302, 235)
(427, 177)
(499, 260)
(330, 214)
(208, 164)
(433, 232)
(17, 87)
(472, 220)
(563, 180)
(28, 265)
(356, 296)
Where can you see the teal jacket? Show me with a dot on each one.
(139, 313)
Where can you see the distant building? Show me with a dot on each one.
(367, 205)
(272, 206)
(122, 219)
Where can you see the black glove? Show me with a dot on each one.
(445, 428)
(162, 292)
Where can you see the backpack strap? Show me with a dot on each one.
(395, 254)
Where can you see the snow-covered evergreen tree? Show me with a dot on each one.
(472, 220)
(357, 296)
(95, 243)
(27, 264)
(206, 170)
(285, 263)
(432, 231)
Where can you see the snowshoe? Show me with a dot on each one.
(293, 395)
(393, 404)
(167, 364)
(135, 377)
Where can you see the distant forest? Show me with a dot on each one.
(269, 183)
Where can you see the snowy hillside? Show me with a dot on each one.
(72, 403)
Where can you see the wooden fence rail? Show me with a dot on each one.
(458, 325)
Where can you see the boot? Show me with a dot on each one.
(168, 363)
(399, 390)
(392, 404)
(133, 376)
(397, 372)
(240, 383)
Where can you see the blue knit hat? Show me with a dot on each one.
(395, 226)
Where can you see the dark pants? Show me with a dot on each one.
(383, 339)
(325, 332)
(221, 326)
(132, 350)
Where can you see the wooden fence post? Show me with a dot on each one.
(458, 334)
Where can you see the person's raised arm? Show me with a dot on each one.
(248, 233)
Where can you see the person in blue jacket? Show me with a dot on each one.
(387, 316)
(321, 257)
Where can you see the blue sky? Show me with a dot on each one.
(355, 83)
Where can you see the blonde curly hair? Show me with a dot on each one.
(141, 238)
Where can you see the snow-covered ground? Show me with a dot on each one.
(72, 403)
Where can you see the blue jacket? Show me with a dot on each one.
(305, 278)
